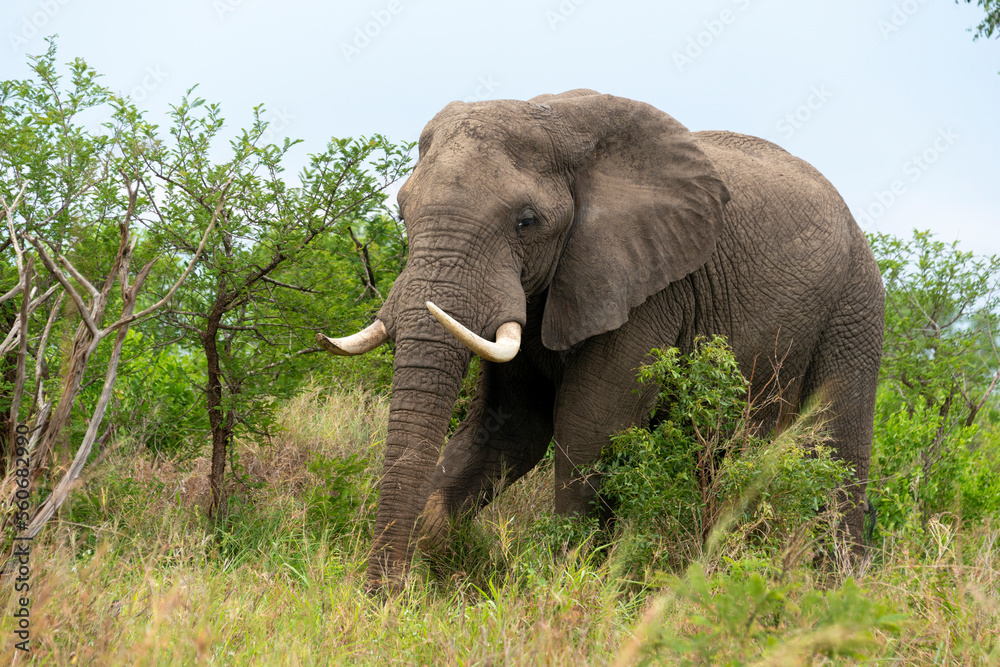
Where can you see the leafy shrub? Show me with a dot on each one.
(704, 465)
(345, 489)
(749, 609)
(921, 468)
(158, 400)
(559, 534)
(937, 383)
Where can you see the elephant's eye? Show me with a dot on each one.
(527, 219)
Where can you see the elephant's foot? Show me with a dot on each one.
(435, 523)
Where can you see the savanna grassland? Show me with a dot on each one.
(200, 484)
(130, 573)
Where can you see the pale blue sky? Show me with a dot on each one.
(891, 100)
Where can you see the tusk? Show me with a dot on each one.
(508, 337)
(365, 340)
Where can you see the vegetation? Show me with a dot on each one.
(724, 549)
(705, 474)
(991, 22)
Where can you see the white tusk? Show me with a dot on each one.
(365, 340)
(504, 349)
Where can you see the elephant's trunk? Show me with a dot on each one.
(428, 371)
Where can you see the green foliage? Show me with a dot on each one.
(991, 22)
(963, 477)
(942, 315)
(128, 566)
(748, 609)
(74, 201)
(703, 465)
(465, 395)
(367, 372)
(292, 260)
(343, 495)
(938, 373)
(159, 399)
(560, 534)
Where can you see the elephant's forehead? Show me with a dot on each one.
(461, 174)
(508, 130)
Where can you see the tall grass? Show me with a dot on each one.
(131, 574)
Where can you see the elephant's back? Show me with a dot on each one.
(778, 192)
(786, 245)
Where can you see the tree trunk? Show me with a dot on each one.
(221, 424)
(8, 375)
(77, 364)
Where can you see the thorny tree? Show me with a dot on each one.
(274, 278)
(70, 203)
(942, 318)
(277, 268)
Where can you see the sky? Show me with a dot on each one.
(892, 101)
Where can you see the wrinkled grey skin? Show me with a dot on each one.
(605, 228)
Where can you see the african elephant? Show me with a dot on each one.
(579, 231)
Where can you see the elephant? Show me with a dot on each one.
(560, 239)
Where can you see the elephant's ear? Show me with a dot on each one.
(648, 211)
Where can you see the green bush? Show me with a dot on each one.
(367, 372)
(159, 400)
(749, 609)
(704, 465)
(336, 504)
(920, 469)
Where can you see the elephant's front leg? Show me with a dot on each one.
(506, 432)
(599, 397)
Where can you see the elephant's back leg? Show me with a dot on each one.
(843, 372)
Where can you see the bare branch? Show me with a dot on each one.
(42, 299)
(170, 293)
(47, 509)
(40, 352)
(281, 284)
(14, 291)
(61, 277)
(9, 212)
(22, 353)
(78, 277)
(8, 343)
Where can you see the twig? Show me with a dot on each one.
(61, 277)
(281, 284)
(170, 293)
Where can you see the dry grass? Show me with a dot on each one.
(129, 575)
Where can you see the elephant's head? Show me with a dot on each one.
(592, 202)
